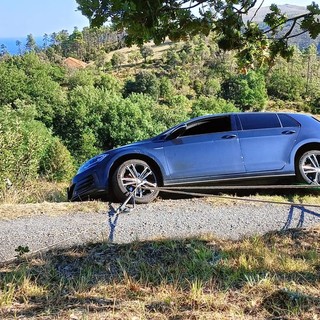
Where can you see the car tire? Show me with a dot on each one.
(135, 176)
(308, 167)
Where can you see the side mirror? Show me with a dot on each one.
(177, 132)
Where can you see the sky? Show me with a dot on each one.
(18, 18)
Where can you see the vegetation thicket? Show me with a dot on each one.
(53, 118)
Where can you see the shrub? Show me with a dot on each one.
(145, 82)
(22, 142)
(247, 92)
(57, 163)
(209, 105)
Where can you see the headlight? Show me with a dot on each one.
(91, 162)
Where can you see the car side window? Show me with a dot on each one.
(213, 125)
(288, 121)
(259, 121)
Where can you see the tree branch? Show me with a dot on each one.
(240, 11)
(290, 30)
(200, 2)
(297, 34)
(261, 4)
(295, 19)
(289, 37)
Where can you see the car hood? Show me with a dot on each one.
(131, 145)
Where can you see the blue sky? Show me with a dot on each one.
(19, 18)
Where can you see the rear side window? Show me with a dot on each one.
(287, 121)
(259, 121)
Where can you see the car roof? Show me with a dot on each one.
(208, 116)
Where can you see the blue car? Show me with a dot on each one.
(208, 149)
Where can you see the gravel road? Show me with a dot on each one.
(160, 219)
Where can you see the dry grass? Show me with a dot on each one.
(43, 197)
(157, 50)
(13, 211)
(35, 192)
(276, 276)
(302, 197)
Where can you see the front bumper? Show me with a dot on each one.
(86, 186)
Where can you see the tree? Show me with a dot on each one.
(45, 40)
(134, 57)
(145, 20)
(146, 51)
(18, 44)
(248, 92)
(31, 43)
(145, 82)
(207, 105)
(3, 50)
(118, 58)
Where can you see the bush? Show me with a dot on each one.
(22, 142)
(210, 105)
(24, 145)
(57, 163)
(247, 92)
(128, 120)
(144, 82)
(286, 86)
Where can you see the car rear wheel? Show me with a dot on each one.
(135, 176)
(308, 167)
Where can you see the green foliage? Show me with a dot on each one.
(130, 119)
(79, 122)
(248, 92)
(35, 81)
(146, 52)
(31, 43)
(13, 83)
(145, 82)
(286, 86)
(134, 56)
(146, 20)
(177, 109)
(118, 58)
(60, 114)
(210, 105)
(57, 163)
(109, 83)
(81, 77)
(23, 144)
(167, 89)
(208, 87)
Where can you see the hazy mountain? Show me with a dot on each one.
(289, 9)
(303, 41)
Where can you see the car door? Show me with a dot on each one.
(266, 141)
(208, 147)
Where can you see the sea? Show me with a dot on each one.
(11, 44)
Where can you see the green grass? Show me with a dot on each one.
(275, 276)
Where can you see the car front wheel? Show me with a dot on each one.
(138, 177)
(308, 167)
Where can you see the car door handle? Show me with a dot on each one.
(288, 132)
(229, 136)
